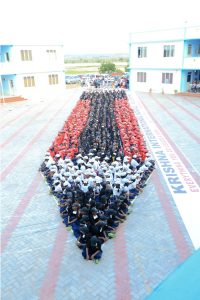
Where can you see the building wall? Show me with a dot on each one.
(158, 35)
(9, 86)
(42, 87)
(45, 60)
(192, 61)
(3, 53)
(155, 58)
(173, 34)
(41, 60)
(154, 64)
(192, 32)
(154, 81)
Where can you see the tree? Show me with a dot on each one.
(119, 71)
(107, 67)
(127, 68)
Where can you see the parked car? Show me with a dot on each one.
(72, 79)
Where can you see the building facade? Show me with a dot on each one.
(31, 70)
(165, 61)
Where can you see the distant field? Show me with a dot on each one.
(72, 85)
(89, 68)
(96, 59)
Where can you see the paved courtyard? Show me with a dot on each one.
(39, 257)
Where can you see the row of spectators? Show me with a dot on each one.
(122, 83)
(195, 87)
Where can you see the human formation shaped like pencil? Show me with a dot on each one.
(96, 167)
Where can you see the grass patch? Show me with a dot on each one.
(79, 72)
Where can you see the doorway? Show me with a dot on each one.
(11, 87)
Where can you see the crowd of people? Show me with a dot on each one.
(97, 184)
(195, 87)
(122, 83)
(105, 81)
(66, 142)
(101, 133)
(97, 81)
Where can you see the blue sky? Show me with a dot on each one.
(90, 26)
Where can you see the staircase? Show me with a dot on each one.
(188, 94)
(12, 99)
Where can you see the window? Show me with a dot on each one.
(26, 55)
(11, 83)
(169, 50)
(189, 75)
(52, 54)
(29, 81)
(142, 52)
(198, 50)
(141, 76)
(7, 56)
(189, 50)
(167, 78)
(53, 79)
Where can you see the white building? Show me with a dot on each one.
(165, 61)
(31, 70)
